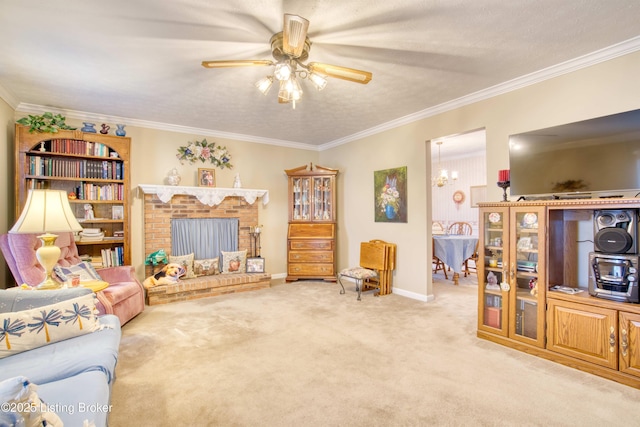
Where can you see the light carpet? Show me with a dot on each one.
(301, 354)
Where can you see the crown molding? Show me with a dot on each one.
(95, 117)
(8, 97)
(602, 55)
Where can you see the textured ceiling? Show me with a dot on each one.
(140, 59)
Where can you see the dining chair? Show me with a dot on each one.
(461, 228)
(437, 227)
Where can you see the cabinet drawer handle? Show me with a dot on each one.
(612, 340)
(513, 271)
(624, 342)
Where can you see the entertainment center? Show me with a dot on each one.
(533, 282)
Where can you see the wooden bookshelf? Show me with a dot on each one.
(93, 168)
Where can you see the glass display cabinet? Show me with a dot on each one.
(312, 217)
(526, 270)
(510, 302)
(493, 267)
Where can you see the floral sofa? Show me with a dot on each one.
(57, 358)
(124, 297)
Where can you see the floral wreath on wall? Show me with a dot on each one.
(205, 152)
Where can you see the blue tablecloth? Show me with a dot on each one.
(454, 249)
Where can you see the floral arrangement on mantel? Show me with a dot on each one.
(205, 152)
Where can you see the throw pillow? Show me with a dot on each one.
(22, 406)
(206, 267)
(85, 270)
(234, 262)
(186, 261)
(17, 299)
(28, 329)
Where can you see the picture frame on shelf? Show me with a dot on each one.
(117, 212)
(255, 265)
(206, 177)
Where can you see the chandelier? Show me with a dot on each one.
(442, 177)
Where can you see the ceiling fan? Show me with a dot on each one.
(290, 48)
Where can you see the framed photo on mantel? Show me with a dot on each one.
(206, 177)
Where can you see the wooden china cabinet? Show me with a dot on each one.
(311, 237)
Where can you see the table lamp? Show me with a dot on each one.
(47, 212)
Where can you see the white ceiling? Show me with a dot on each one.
(138, 61)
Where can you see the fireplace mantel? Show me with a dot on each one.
(210, 196)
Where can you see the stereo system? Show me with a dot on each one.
(616, 231)
(613, 267)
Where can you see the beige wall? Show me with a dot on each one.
(6, 182)
(602, 89)
(153, 156)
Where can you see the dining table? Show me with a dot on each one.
(453, 250)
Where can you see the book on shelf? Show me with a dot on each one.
(113, 257)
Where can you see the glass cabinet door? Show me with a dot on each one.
(322, 199)
(493, 271)
(526, 270)
(301, 198)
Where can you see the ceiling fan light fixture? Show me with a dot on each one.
(264, 84)
(283, 71)
(295, 34)
(344, 73)
(318, 81)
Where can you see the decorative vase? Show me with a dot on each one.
(120, 130)
(88, 127)
(390, 212)
(174, 178)
(105, 129)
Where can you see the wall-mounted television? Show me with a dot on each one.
(593, 158)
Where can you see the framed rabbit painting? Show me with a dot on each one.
(390, 192)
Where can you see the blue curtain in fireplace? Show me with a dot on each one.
(204, 237)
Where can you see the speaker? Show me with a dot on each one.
(616, 231)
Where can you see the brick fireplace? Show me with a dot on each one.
(158, 216)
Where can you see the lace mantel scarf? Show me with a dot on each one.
(206, 196)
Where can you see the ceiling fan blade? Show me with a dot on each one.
(236, 63)
(338, 72)
(294, 35)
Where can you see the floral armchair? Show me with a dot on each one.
(124, 297)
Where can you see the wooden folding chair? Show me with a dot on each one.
(373, 259)
(385, 276)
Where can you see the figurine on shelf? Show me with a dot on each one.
(88, 211)
(174, 177)
(492, 282)
(236, 182)
(105, 129)
(533, 285)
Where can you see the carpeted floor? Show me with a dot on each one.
(301, 354)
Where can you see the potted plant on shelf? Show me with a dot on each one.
(48, 122)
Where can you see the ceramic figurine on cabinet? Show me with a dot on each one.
(88, 127)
